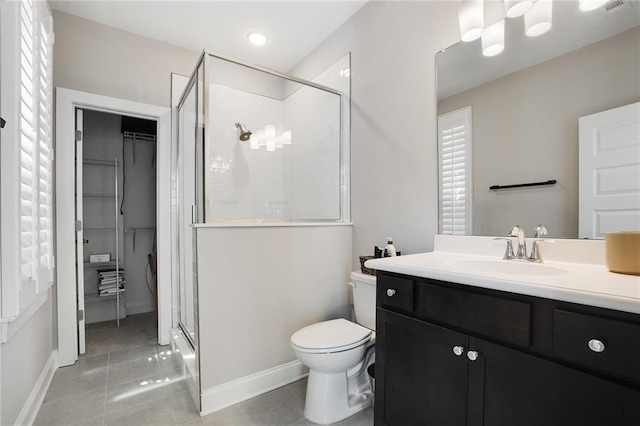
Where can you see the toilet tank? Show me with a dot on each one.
(364, 299)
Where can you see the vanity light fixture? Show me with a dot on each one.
(587, 5)
(515, 8)
(471, 19)
(493, 39)
(258, 38)
(537, 20)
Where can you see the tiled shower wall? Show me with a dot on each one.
(300, 181)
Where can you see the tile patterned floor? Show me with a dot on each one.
(134, 330)
(143, 386)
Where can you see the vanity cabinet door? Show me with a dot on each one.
(419, 379)
(508, 387)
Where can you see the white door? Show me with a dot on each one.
(609, 172)
(79, 234)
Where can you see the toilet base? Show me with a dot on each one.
(328, 400)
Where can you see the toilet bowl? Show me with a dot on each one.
(337, 353)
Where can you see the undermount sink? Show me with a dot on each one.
(507, 267)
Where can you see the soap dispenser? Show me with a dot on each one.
(390, 248)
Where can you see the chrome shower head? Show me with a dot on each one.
(244, 132)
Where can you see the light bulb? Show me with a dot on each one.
(262, 140)
(537, 21)
(515, 8)
(587, 5)
(271, 145)
(471, 19)
(270, 131)
(493, 39)
(286, 137)
(257, 38)
(253, 141)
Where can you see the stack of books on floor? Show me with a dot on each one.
(107, 285)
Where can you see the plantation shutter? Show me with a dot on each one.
(45, 161)
(36, 190)
(455, 172)
(28, 140)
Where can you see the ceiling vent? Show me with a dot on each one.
(615, 5)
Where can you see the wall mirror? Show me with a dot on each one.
(524, 109)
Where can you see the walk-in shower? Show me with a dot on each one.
(256, 149)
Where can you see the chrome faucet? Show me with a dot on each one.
(508, 254)
(522, 242)
(521, 253)
(540, 231)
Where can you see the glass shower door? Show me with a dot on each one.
(187, 141)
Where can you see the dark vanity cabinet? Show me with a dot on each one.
(449, 354)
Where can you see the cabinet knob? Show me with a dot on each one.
(391, 292)
(472, 355)
(458, 350)
(596, 345)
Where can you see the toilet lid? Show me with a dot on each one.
(329, 334)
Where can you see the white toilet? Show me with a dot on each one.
(338, 353)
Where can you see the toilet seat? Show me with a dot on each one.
(330, 336)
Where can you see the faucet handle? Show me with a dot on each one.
(535, 250)
(508, 254)
(540, 231)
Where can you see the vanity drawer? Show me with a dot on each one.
(395, 292)
(620, 355)
(495, 317)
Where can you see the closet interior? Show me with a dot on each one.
(118, 216)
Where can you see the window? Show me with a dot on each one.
(455, 172)
(27, 154)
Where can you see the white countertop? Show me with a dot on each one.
(587, 284)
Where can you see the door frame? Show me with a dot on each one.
(67, 101)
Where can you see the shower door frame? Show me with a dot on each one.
(192, 84)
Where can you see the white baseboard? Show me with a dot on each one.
(140, 307)
(32, 406)
(239, 390)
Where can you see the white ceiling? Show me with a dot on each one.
(294, 28)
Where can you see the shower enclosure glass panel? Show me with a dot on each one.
(289, 167)
(189, 133)
(254, 145)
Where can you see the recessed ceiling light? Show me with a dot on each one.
(257, 38)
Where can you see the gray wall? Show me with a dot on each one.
(393, 118)
(95, 58)
(257, 286)
(525, 129)
(23, 359)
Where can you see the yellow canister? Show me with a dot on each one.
(623, 252)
